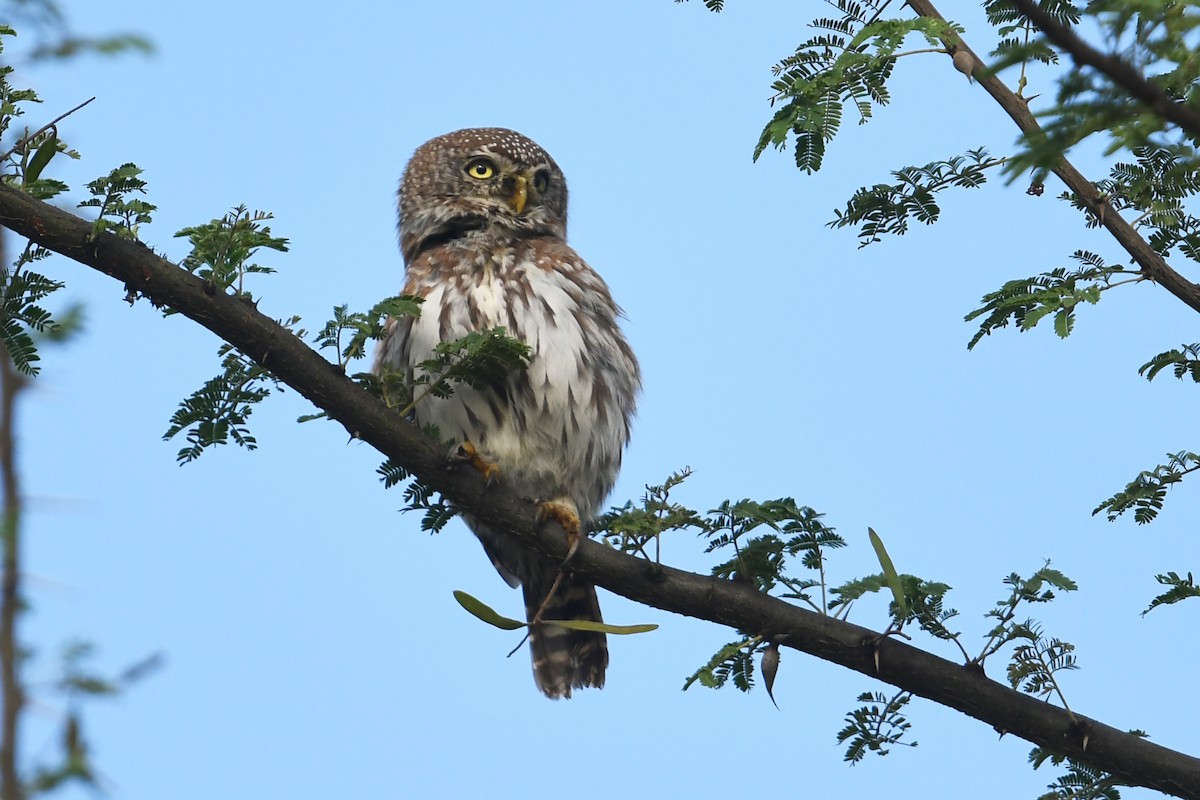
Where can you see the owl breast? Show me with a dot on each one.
(558, 428)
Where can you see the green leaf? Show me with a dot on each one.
(731, 661)
(219, 411)
(41, 158)
(485, 612)
(889, 573)
(1060, 291)
(876, 727)
(1145, 493)
(589, 625)
(222, 248)
(1181, 589)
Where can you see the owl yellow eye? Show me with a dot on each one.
(481, 168)
(541, 179)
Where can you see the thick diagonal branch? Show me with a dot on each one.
(1119, 71)
(1133, 760)
(1152, 265)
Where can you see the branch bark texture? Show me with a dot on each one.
(968, 690)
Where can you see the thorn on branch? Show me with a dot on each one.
(1081, 730)
(875, 641)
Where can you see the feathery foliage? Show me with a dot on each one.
(1034, 663)
(219, 410)
(1081, 781)
(1017, 33)
(119, 214)
(846, 65)
(480, 359)
(76, 683)
(1037, 588)
(347, 334)
(631, 527)
(734, 661)
(1155, 39)
(222, 249)
(1144, 495)
(23, 315)
(1180, 589)
(1183, 361)
(1057, 293)
(362, 327)
(886, 208)
(876, 727)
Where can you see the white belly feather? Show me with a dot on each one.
(558, 430)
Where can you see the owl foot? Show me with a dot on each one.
(563, 512)
(466, 452)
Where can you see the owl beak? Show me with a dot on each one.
(520, 193)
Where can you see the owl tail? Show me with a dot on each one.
(564, 659)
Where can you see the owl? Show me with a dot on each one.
(483, 225)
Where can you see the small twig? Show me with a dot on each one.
(537, 618)
(1054, 683)
(918, 52)
(524, 639)
(562, 570)
(966, 656)
(30, 137)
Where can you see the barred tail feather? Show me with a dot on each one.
(564, 659)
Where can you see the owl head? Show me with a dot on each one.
(480, 179)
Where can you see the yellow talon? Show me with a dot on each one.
(563, 512)
(489, 469)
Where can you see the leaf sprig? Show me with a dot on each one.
(119, 214)
(219, 410)
(347, 333)
(1181, 588)
(886, 208)
(875, 727)
(1057, 294)
(22, 314)
(222, 248)
(848, 64)
(1145, 494)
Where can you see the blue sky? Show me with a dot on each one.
(311, 643)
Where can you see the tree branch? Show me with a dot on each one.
(11, 694)
(1119, 71)
(1152, 265)
(238, 322)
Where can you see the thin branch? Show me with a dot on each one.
(31, 136)
(1153, 265)
(733, 604)
(11, 693)
(919, 52)
(1119, 71)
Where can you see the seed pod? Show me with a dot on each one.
(769, 666)
(964, 62)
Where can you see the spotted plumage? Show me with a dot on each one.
(483, 222)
